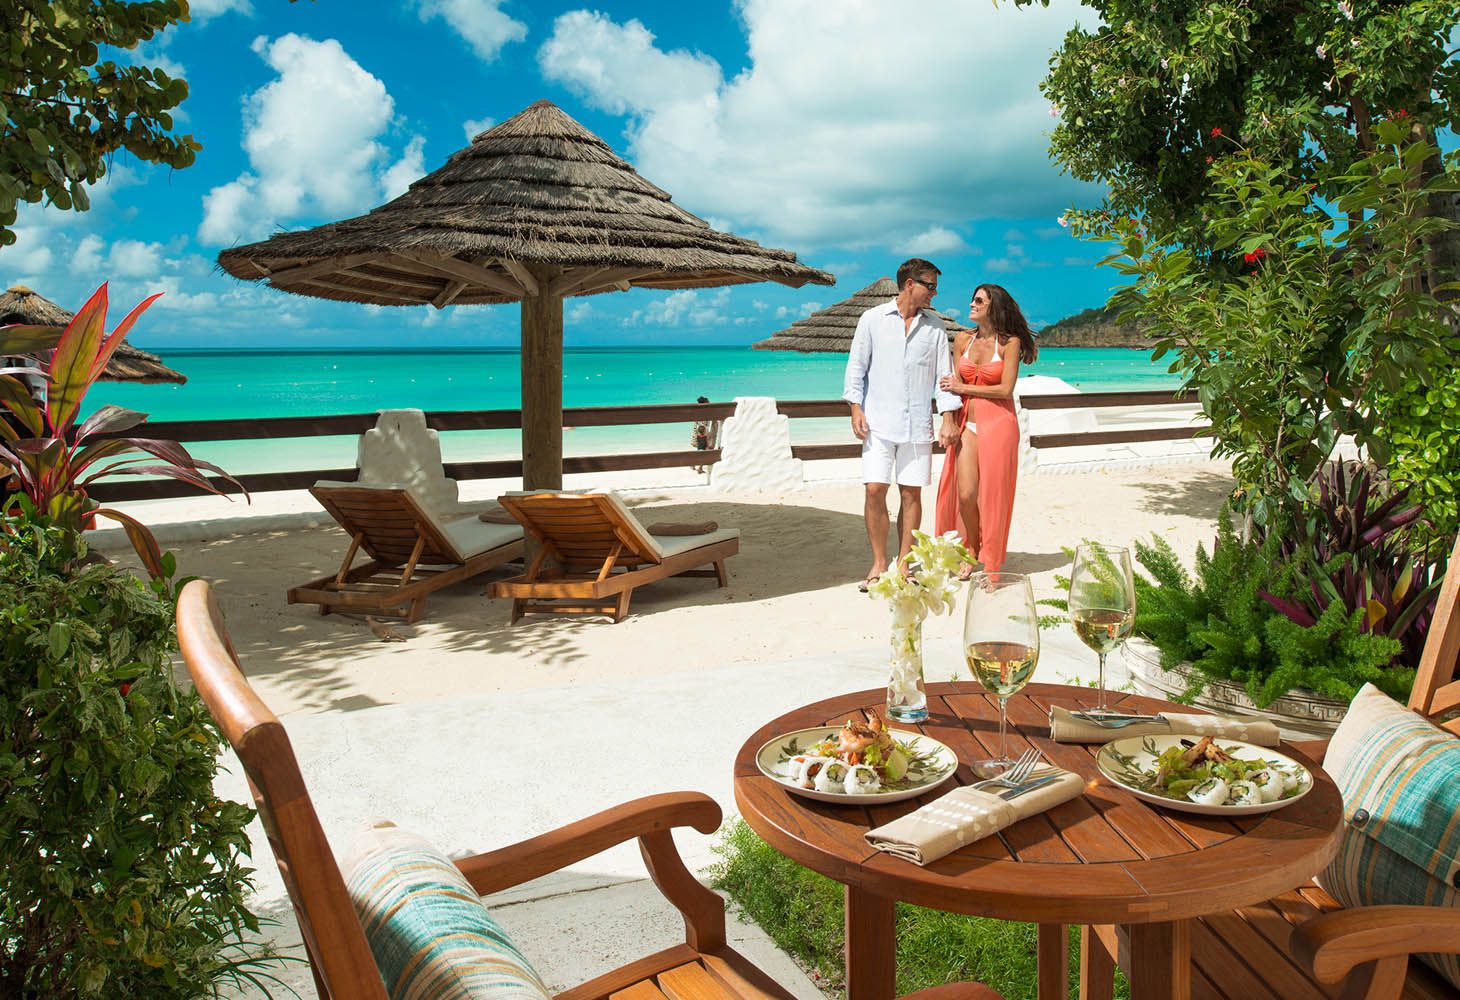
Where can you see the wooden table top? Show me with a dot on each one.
(1103, 858)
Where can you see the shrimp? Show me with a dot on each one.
(857, 736)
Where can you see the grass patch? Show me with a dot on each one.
(802, 912)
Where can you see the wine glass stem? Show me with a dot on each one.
(1100, 685)
(1003, 725)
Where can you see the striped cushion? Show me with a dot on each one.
(1400, 779)
(431, 936)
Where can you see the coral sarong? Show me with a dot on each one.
(996, 424)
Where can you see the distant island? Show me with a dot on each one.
(1093, 328)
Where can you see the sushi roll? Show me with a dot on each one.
(804, 769)
(1212, 792)
(861, 780)
(1270, 783)
(1243, 793)
(832, 777)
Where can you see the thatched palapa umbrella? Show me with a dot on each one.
(129, 364)
(831, 329)
(534, 210)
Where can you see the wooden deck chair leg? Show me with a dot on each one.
(612, 558)
(722, 577)
(344, 573)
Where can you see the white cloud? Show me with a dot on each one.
(29, 256)
(578, 312)
(202, 10)
(308, 157)
(476, 126)
(685, 308)
(87, 256)
(618, 68)
(835, 143)
(933, 240)
(135, 259)
(411, 166)
(481, 23)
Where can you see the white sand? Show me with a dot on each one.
(791, 594)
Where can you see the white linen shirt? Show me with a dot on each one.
(893, 375)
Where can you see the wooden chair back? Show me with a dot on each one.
(583, 527)
(1436, 692)
(338, 952)
(390, 522)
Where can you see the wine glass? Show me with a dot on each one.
(1001, 644)
(1102, 602)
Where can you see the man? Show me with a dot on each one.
(899, 353)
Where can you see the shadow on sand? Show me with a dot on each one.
(784, 549)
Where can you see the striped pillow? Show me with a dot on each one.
(430, 934)
(1400, 779)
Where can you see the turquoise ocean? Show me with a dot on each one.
(237, 384)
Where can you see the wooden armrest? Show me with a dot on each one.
(553, 851)
(1333, 944)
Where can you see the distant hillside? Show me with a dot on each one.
(1092, 328)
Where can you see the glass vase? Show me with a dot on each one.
(907, 693)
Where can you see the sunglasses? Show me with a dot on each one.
(931, 286)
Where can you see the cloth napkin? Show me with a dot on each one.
(664, 528)
(967, 814)
(1066, 728)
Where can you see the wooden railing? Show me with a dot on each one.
(1052, 401)
(270, 428)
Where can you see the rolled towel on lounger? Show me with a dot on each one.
(667, 528)
(496, 515)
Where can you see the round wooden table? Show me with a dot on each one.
(1100, 860)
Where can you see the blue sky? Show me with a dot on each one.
(853, 133)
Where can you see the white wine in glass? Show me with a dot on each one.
(1001, 645)
(1102, 602)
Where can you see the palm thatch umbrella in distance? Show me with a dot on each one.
(129, 364)
(831, 329)
(534, 210)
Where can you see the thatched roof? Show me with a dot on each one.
(536, 199)
(831, 329)
(128, 364)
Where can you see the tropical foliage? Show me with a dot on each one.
(52, 454)
(1306, 320)
(66, 110)
(1155, 91)
(121, 871)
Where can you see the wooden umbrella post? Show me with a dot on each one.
(542, 386)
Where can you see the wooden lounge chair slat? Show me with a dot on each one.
(643, 990)
(692, 982)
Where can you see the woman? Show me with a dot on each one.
(976, 491)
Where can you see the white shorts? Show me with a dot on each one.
(907, 463)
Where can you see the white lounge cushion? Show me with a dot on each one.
(673, 545)
(472, 537)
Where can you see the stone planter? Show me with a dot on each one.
(1299, 714)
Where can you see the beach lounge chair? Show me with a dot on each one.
(426, 925)
(413, 553)
(603, 553)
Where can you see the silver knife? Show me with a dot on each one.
(1116, 720)
(1028, 786)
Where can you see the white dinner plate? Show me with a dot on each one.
(1130, 763)
(774, 761)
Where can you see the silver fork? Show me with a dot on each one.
(1112, 721)
(1016, 775)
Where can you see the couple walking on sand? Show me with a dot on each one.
(899, 367)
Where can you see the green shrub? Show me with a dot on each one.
(1216, 620)
(803, 914)
(120, 869)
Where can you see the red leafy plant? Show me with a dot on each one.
(52, 458)
(1357, 558)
